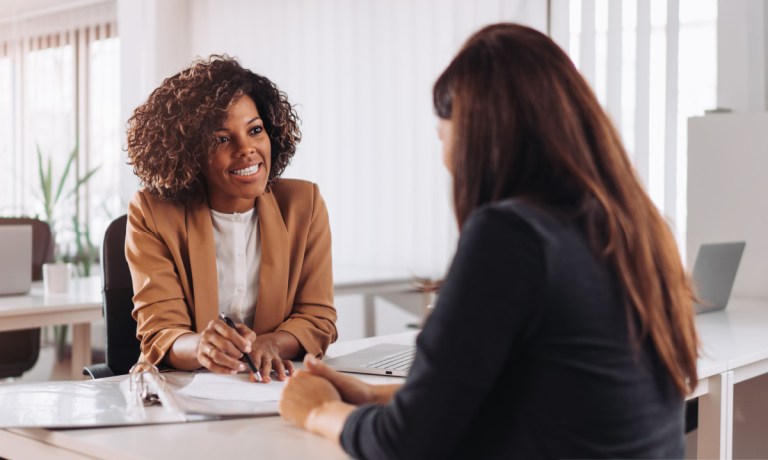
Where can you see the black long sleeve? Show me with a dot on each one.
(526, 355)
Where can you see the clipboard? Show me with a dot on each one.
(144, 396)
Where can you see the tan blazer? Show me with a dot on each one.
(171, 253)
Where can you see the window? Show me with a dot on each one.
(652, 64)
(59, 91)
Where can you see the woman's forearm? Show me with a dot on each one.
(183, 353)
(382, 394)
(328, 419)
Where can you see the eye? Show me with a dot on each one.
(257, 130)
(222, 140)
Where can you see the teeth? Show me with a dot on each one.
(246, 171)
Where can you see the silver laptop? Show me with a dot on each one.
(15, 259)
(382, 359)
(714, 273)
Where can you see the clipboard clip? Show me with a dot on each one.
(145, 384)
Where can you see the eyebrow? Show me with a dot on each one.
(247, 123)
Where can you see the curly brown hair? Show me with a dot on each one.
(172, 134)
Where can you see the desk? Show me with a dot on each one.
(734, 349)
(370, 283)
(79, 307)
(268, 437)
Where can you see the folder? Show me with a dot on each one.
(144, 396)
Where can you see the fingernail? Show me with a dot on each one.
(312, 359)
(247, 348)
(242, 367)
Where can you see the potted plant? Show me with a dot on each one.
(52, 194)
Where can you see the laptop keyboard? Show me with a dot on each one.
(397, 361)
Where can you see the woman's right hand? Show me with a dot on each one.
(351, 389)
(221, 348)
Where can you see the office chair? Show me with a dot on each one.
(20, 349)
(122, 346)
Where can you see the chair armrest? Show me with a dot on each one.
(98, 371)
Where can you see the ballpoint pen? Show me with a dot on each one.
(246, 356)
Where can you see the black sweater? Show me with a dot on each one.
(526, 355)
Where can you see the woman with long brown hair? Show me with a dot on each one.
(564, 328)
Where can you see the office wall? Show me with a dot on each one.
(360, 72)
(727, 192)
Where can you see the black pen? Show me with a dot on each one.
(246, 356)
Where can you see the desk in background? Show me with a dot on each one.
(734, 350)
(79, 307)
(370, 283)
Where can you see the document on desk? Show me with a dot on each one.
(219, 394)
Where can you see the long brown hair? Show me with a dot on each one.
(526, 124)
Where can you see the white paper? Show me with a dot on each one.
(237, 387)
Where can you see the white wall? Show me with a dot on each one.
(742, 47)
(727, 192)
(361, 72)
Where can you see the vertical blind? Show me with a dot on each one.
(59, 90)
(652, 64)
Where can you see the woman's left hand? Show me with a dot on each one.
(302, 394)
(265, 354)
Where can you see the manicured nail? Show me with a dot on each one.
(241, 367)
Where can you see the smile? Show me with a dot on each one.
(250, 170)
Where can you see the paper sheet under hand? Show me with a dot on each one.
(237, 387)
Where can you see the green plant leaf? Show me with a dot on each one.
(65, 174)
(82, 181)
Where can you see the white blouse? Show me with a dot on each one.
(238, 257)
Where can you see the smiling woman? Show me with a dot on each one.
(237, 174)
(209, 146)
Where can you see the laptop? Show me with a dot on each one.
(15, 259)
(381, 359)
(714, 273)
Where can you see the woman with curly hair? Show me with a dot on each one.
(215, 230)
(565, 326)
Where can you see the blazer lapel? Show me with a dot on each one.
(273, 273)
(202, 259)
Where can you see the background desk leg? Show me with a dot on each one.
(369, 315)
(81, 349)
(715, 435)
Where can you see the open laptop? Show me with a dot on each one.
(714, 273)
(15, 259)
(382, 359)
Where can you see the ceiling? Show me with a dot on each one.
(12, 8)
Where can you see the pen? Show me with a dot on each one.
(247, 357)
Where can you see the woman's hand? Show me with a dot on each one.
(304, 393)
(221, 348)
(266, 353)
(351, 389)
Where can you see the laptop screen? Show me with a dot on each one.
(714, 274)
(15, 259)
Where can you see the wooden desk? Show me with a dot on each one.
(79, 307)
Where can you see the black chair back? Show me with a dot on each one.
(122, 347)
(122, 350)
